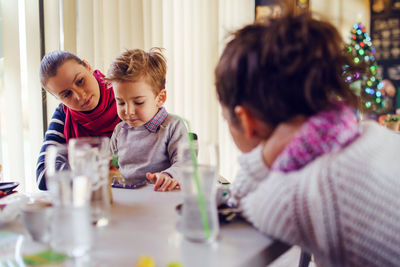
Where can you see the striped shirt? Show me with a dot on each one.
(54, 135)
(344, 206)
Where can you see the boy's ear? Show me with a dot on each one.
(253, 128)
(161, 98)
(88, 65)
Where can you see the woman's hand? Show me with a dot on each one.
(162, 181)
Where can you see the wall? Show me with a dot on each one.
(343, 13)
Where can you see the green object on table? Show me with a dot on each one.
(398, 97)
(47, 256)
(175, 264)
(114, 161)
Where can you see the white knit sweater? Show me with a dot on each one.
(343, 207)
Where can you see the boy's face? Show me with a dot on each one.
(137, 102)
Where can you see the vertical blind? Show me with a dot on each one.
(20, 92)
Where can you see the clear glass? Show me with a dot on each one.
(72, 230)
(198, 180)
(94, 151)
(56, 161)
(37, 218)
(71, 226)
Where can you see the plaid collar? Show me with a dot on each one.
(153, 124)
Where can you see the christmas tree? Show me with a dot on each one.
(365, 83)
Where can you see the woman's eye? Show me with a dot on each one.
(66, 94)
(79, 82)
(121, 103)
(138, 103)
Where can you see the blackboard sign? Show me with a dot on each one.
(385, 34)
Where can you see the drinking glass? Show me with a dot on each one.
(198, 180)
(37, 218)
(94, 154)
(56, 162)
(71, 228)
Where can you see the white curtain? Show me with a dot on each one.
(20, 92)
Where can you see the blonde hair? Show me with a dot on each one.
(136, 64)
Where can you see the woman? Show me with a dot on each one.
(311, 174)
(87, 103)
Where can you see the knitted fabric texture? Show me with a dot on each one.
(343, 206)
(322, 133)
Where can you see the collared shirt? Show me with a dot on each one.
(153, 124)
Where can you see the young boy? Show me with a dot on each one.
(147, 139)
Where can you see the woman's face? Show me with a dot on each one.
(75, 86)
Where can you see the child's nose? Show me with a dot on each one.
(130, 110)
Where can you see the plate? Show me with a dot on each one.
(7, 187)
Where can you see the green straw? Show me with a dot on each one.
(200, 194)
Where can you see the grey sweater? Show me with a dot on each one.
(140, 151)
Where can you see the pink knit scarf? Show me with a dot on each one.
(322, 133)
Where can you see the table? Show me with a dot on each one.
(144, 222)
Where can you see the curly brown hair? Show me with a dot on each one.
(290, 66)
(136, 64)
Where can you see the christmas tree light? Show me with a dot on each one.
(367, 84)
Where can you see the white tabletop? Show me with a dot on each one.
(144, 222)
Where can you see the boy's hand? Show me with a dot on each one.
(163, 182)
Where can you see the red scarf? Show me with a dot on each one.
(99, 122)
